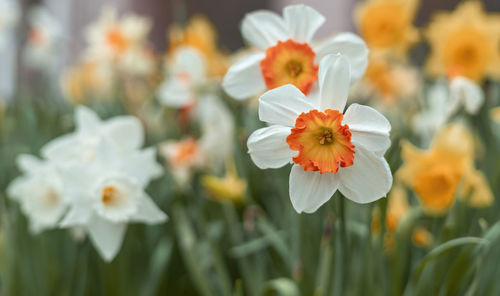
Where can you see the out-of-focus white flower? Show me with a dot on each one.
(43, 44)
(39, 191)
(465, 92)
(183, 157)
(120, 41)
(331, 151)
(287, 54)
(186, 73)
(124, 132)
(9, 18)
(217, 127)
(108, 193)
(443, 101)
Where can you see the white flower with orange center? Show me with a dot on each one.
(186, 70)
(45, 33)
(119, 40)
(183, 157)
(287, 54)
(331, 150)
(109, 193)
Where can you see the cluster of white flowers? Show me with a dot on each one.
(304, 108)
(92, 179)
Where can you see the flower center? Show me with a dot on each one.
(109, 195)
(186, 151)
(290, 62)
(322, 141)
(51, 198)
(469, 51)
(36, 36)
(116, 40)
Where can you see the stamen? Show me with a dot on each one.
(294, 68)
(109, 194)
(326, 136)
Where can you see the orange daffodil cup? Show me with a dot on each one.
(287, 54)
(331, 150)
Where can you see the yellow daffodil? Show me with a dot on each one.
(435, 174)
(444, 171)
(388, 81)
(201, 35)
(475, 190)
(386, 25)
(465, 41)
(85, 81)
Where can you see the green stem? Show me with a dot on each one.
(344, 242)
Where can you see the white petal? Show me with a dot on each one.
(106, 236)
(334, 81)
(263, 29)
(86, 120)
(126, 132)
(469, 93)
(302, 22)
(310, 190)
(148, 212)
(175, 93)
(187, 60)
(368, 179)
(142, 166)
(283, 105)
(349, 45)
(28, 163)
(78, 215)
(368, 127)
(244, 78)
(61, 148)
(268, 147)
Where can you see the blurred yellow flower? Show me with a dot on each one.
(201, 35)
(436, 173)
(387, 80)
(465, 41)
(87, 80)
(386, 25)
(475, 190)
(397, 207)
(228, 188)
(422, 237)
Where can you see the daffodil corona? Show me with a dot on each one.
(331, 149)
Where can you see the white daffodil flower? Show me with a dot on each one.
(121, 42)
(45, 33)
(108, 193)
(443, 101)
(186, 72)
(39, 191)
(287, 54)
(331, 151)
(124, 132)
